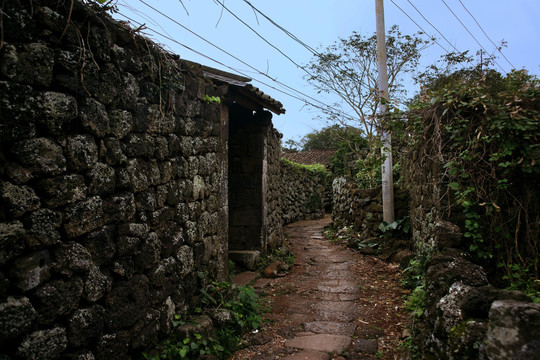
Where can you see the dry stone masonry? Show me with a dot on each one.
(303, 192)
(465, 316)
(122, 186)
(114, 203)
(362, 208)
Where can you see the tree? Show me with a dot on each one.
(348, 69)
(332, 137)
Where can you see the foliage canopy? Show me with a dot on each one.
(487, 129)
(348, 69)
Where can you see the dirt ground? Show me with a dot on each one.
(334, 303)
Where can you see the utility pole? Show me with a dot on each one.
(387, 177)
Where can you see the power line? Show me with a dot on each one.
(287, 32)
(262, 37)
(433, 26)
(231, 55)
(421, 29)
(295, 38)
(481, 28)
(470, 33)
(322, 105)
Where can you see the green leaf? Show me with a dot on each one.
(454, 186)
(183, 352)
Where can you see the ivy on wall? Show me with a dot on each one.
(485, 128)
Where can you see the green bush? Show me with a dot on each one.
(242, 304)
(486, 129)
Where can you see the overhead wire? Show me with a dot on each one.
(470, 33)
(295, 38)
(481, 28)
(421, 29)
(263, 38)
(248, 65)
(433, 26)
(287, 32)
(322, 105)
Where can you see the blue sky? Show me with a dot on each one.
(319, 23)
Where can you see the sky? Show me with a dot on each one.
(196, 30)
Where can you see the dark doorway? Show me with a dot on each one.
(246, 156)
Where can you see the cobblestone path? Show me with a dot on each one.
(334, 304)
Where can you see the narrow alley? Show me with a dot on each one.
(335, 303)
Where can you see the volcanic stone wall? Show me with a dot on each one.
(273, 194)
(464, 316)
(113, 204)
(302, 193)
(362, 208)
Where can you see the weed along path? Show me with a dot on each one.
(333, 304)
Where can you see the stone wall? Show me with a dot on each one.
(362, 208)
(112, 171)
(465, 317)
(273, 194)
(302, 192)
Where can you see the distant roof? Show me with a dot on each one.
(310, 157)
(247, 94)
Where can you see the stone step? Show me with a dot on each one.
(245, 278)
(321, 342)
(248, 259)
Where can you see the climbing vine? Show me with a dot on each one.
(484, 129)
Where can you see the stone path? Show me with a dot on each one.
(318, 307)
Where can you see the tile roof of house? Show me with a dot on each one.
(310, 157)
(249, 94)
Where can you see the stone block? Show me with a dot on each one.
(113, 151)
(40, 155)
(30, 271)
(85, 325)
(83, 217)
(154, 176)
(126, 302)
(159, 122)
(18, 109)
(145, 333)
(44, 344)
(44, 226)
(18, 199)
(57, 298)
(62, 190)
(12, 240)
(113, 346)
(138, 174)
(161, 148)
(185, 260)
(119, 208)
(101, 245)
(249, 259)
(244, 278)
(17, 316)
(30, 63)
(57, 110)
(121, 122)
(94, 117)
(321, 342)
(200, 325)
(102, 179)
(150, 251)
(513, 330)
(72, 257)
(96, 285)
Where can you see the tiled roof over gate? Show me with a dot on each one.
(310, 157)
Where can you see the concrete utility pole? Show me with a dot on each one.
(387, 177)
